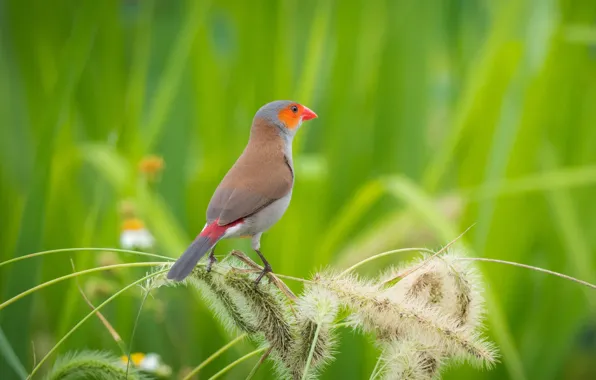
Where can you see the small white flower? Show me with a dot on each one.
(150, 362)
(135, 235)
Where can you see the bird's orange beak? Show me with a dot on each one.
(308, 114)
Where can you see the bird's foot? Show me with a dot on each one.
(266, 269)
(210, 261)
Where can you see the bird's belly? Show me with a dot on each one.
(262, 220)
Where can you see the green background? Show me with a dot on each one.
(433, 116)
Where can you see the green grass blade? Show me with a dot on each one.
(11, 358)
(551, 180)
(172, 76)
(236, 362)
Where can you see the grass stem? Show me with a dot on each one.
(13, 260)
(237, 361)
(214, 356)
(311, 352)
(73, 275)
(537, 269)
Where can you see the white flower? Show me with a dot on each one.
(150, 362)
(135, 235)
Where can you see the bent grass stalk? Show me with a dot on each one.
(117, 338)
(214, 356)
(88, 316)
(139, 253)
(383, 254)
(434, 254)
(76, 274)
(134, 330)
(537, 269)
(238, 361)
(291, 278)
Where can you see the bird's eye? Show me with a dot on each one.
(294, 109)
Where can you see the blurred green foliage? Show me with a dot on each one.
(433, 116)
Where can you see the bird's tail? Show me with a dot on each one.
(206, 240)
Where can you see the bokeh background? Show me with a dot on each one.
(433, 116)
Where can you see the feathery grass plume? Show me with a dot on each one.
(412, 319)
(259, 310)
(215, 293)
(264, 307)
(316, 311)
(424, 314)
(453, 286)
(159, 280)
(408, 360)
(91, 365)
(220, 299)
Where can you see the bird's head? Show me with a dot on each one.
(287, 115)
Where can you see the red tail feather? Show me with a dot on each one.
(214, 231)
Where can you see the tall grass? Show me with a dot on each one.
(433, 116)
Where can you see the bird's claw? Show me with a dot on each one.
(210, 261)
(266, 269)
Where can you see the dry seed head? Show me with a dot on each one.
(411, 319)
(453, 286)
(417, 322)
(318, 305)
(407, 360)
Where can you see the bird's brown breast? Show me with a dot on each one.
(260, 176)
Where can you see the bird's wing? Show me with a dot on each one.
(256, 180)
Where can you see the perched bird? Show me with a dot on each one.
(255, 192)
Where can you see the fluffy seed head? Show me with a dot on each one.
(408, 360)
(267, 309)
(316, 311)
(417, 310)
(452, 286)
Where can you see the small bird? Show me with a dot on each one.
(255, 192)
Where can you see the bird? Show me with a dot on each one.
(255, 192)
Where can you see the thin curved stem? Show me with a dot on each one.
(426, 261)
(214, 356)
(259, 363)
(237, 361)
(311, 353)
(104, 303)
(286, 277)
(117, 338)
(139, 253)
(383, 254)
(76, 274)
(585, 283)
(134, 330)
